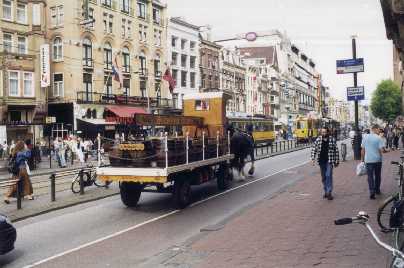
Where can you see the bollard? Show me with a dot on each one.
(276, 147)
(272, 148)
(81, 174)
(262, 150)
(187, 149)
(19, 191)
(267, 149)
(53, 187)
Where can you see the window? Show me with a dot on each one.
(157, 37)
(14, 88)
(157, 71)
(175, 76)
(192, 62)
(22, 45)
(7, 10)
(174, 58)
(57, 49)
(108, 84)
(126, 60)
(88, 86)
(22, 13)
(108, 23)
(143, 88)
(123, 27)
(141, 10)
(57, 16)
(129, 29)
(202, 105)
(156, 16)
(126, 86)
(15, 116)
(107, 3)
(125, 6)
(87, 53)
(183, 43)
(142, 60)
(184, 61)
(58, 87)
(174, 41)
(184, 79)
(90, 17)
(28, 84)
(107, 56)
(7, 42)
(192, 78)
(192, 45)
(142, 33)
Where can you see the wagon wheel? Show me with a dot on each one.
(182, 193)
(130, 193)
(224, 176)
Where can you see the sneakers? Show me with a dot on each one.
(328, 196)
(372, 196)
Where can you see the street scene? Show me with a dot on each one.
(192, 134)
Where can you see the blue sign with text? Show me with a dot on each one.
(356, 93)
(350, 66)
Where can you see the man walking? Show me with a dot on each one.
(325, 151)
(372, 149)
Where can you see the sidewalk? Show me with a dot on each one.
(296, 227)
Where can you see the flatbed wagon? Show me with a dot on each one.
(173, 163)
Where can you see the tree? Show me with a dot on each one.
(386, 101)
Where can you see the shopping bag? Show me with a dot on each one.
(27, 168)
(361, 169)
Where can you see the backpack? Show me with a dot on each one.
(12, 166)
(397, 214)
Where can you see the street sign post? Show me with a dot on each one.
(355, 93)
(350, 66)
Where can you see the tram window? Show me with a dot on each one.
(299, 125)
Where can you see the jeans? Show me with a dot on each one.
(326, 175)
(374, 176)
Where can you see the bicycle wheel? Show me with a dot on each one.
(384, 213)
(76, 185)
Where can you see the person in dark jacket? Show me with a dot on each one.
(20, 156)
(325, 151)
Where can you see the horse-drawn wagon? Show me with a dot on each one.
(173, 162)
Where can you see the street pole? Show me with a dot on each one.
(358, 136)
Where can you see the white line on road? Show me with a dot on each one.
(156, 219)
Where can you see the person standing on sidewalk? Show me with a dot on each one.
(372, 149)
(325, 151)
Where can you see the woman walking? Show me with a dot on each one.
(19, 172)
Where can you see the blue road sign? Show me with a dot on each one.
(356, 93)
(350, 66)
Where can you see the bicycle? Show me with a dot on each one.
(384, 211)
(89, 179)
(362, 218)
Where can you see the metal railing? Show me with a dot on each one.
(279, 147)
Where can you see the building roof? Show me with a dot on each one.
(182, 22)
(268, 53)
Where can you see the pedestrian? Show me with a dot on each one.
(372, 149)
(61, 152)
(396, 138)
(12, 146)
(31, 160)
(389, 137)
(325, 152)
(5, 150)
(18, 166)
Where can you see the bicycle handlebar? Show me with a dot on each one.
(343, 221)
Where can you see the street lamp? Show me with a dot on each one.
(252, 36)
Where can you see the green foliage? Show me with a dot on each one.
(386, 101)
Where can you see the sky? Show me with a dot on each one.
(320, 28)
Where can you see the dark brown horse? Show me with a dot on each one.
(242, 146)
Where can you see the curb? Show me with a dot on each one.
(38, 212)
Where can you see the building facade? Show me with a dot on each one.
(105, 54)
(183, 55)
(22, 31)
(233, 80)
(209, 53)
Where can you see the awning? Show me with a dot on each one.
(123, 114)
(96, 121)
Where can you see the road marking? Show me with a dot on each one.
(156, 219)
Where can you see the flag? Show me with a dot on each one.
(116, 73)
(171, 81)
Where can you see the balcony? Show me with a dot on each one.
(126, 69)
(102, 98)
(144, 17)
(158, 21)
(157, 75)
(128, 11)
(88, 63)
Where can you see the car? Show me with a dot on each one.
(8, 235)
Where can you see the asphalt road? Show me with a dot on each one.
(107, 234)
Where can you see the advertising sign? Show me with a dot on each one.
(356, 93)
(350, 66)
(44, 65)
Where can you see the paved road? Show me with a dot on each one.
(107, 234)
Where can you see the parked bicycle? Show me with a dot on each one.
(396, 252)
(89, 179)
(384, 211)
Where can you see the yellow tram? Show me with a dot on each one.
(263, 128)
(306, 128)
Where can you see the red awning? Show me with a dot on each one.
(125, 111)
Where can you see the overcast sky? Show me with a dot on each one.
(321, 28)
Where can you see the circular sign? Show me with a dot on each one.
(251, 36)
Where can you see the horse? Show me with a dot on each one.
(242, 146)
